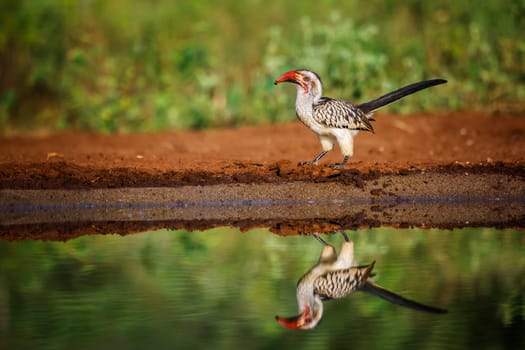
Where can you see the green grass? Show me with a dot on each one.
(124, 65)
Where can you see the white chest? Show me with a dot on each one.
(304, 111)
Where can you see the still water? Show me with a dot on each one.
(221, 289)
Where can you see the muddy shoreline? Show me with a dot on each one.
(64, 175)
(414, 199)
(459, 158)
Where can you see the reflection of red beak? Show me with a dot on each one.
(292, 76)
(295, 322)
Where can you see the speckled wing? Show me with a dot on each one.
(340, 114)
(340, 283)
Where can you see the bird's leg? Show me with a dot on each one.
(344, 235)
(316, 159)
(346, 143)
(342, 164)
(320, 239)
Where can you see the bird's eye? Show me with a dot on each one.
(306, 78)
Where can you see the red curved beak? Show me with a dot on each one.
(295, 322)
(292, 76)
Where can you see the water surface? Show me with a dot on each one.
(221, 289)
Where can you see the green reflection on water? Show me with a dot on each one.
(221, 289)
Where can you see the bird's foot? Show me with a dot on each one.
(340, 165)
(316, 159)
(337, 166)
(307, 162)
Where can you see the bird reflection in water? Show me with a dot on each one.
(335, 277)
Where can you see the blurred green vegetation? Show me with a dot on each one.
(124, 65)
(221, 288)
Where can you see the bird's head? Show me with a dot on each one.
(300, 321)
(308, 318)
(309, 82)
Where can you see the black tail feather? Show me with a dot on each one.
(381, 292)
(396, 95)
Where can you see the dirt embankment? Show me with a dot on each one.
(387, 182)
(449, 143)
